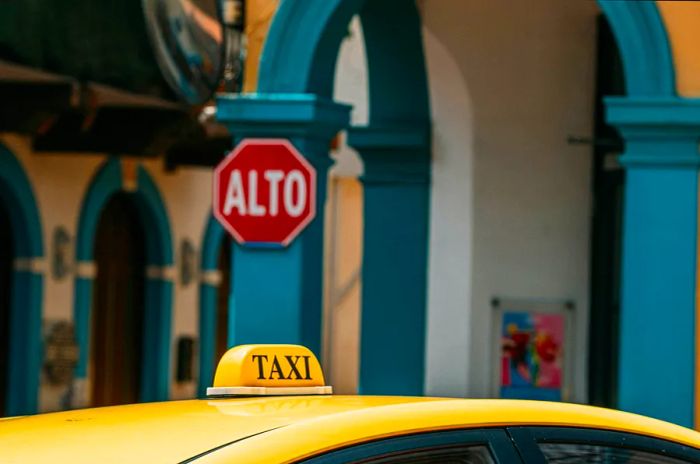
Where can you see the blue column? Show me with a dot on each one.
(277, 292)
(395, 258)
(26, 347)
(210, 279)
(157, 323)
(657, 339)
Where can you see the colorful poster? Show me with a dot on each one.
(532, 355)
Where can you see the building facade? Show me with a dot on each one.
(495, 159)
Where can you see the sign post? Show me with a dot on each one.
(264, 192)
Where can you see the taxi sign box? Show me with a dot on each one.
(264, 192)
(269, 370)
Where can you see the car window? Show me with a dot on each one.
(477, 446)
(576, 453)
(446, 455)
(573, 445)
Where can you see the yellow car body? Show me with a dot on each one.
(318, 429)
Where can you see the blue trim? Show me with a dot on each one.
(106, 183)
(211, 246)
(299, 59)
(263, 245)
(396, 215)
(670, 114)
(159, 252)
(393, 155)
(214, 236)
(302, 45)
(16, 191)
(288, 115)
(398, 87)
(648, 124)
(396, 151)
(159, 244)
(644, 46)
(657, 339)
(26, 343)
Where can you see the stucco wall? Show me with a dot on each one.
(344, 227)
(527, 70)
(510, 200)
(60, 182)
(451, 215)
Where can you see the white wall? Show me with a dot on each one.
(343, 240)
(451, 211)
(504, 177)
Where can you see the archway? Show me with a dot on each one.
(214, 298)
(299, 58)
(139, 198)
(117, 338)
(641, 38)
(296, 74)
(22, 279)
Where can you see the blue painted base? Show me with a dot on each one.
(26, 347)
(394, 281)
(657, 352)
(26, 353)
(207, 333)
(277, 293)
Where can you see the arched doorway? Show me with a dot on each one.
(140, 235)
(21, 287)
(214, 299)
(6, 260)
(118, 306)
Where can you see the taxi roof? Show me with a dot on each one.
(180, 430)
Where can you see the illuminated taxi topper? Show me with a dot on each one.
(269, 370)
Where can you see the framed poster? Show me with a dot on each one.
(532, 349)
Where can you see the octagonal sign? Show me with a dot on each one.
(264, 192)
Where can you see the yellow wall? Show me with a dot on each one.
(343, 283)
(682, 21)
(259, 15)
(60, 182)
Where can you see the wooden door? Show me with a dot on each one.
(118, 305)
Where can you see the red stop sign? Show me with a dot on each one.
(264, 192)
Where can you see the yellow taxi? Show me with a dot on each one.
(270, 404)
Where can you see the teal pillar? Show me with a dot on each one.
(277, 292)
(657, 339)
(210, 279)
(395, 258)
(155, 365)
(26, 344)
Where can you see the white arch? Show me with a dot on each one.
(450, 269)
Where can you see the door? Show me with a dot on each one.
(222, 300)
(118, 305)
(6, 262)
